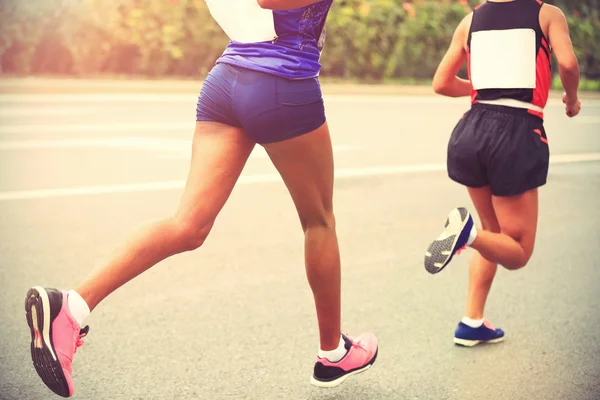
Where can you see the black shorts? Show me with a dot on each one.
(502, 147)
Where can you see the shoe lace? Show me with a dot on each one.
(82, 333)
(488, 325)
(461, 250)
(356, 343)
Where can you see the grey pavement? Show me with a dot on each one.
(235, 319)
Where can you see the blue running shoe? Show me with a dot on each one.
(469, 337)
(451, 241)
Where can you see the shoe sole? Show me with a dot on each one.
(435, 260)
(45, 360)
(336, 382)
(471, 343)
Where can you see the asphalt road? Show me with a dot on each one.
(235, 319)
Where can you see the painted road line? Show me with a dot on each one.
(253, 179)
(12, 99)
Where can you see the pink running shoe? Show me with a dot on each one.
(362, 353)
(55, 337)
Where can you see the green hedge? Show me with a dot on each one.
(367, 39)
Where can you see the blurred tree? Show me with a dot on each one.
(581, 7)
(22, 25)
(367, 39)
(361, 37)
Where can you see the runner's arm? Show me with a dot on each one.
(560, 40)
(445, 81)
(285, 4)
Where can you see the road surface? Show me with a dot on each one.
(235, 320)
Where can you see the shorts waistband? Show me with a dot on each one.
(508, 110)
(514, 104)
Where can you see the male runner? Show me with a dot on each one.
(499, 149)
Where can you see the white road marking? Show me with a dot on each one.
(133, 128)
(185, 126)
(96, 98)
(140, 143)
(573, 158)
(98, 128)
(584, 119)
(187, 98)
(252, 179)
(177, 147)
(44, 111)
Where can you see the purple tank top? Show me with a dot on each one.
(295, 51)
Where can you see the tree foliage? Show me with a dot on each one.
(367, 39)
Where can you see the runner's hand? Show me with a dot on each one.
(573, 106)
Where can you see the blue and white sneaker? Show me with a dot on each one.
(469, 337)
(451, 241)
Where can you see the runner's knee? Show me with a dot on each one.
(321, 219)
(190, 234)
(527, 248)
(516, 265)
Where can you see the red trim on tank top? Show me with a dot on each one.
(543, 80)
(545, 44)
(473, 91)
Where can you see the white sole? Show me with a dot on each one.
(471, 343)
(45, 331)
(337, 381)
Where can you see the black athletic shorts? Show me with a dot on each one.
(502, 147)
